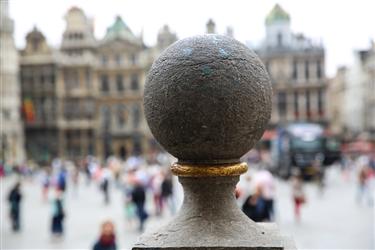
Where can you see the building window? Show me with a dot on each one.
(119, 83)
(104, 60)
(71, 109)
(104, 83)
(48, 109)
(35, 44)
(88, 108)
(137, 146)
(88, 78)
(71, 79)
(6, 114)
(282, 105)
(136, 116)
(90, 146)
(42, 78)
(308, 107)
(295, 69)
(121, 115)
(307, 70)
(296, 107)
(52, 78)
(134, 82)
(133, 59)
(50, 81)
(319, 69)
(106, 117)
(279, 40)
(27, 82)
(320, 103)
(118, 59)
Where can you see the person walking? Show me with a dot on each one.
(139, 198)
(156, 182)
(107, 238)
(104, 185)
(14, 199)
(61, 180)
(46, 183)
(58, 215)
(364, 185)
(265, 181)
(298, 194)
(167, 192)
(255, 206)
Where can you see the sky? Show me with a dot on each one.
(342, 26)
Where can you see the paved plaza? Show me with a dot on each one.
(331, 221)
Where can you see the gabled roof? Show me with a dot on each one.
(277, 14)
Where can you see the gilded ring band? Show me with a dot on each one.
(208, 171)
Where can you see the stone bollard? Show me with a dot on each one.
(207, 101)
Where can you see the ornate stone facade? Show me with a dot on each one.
(85, 98)
(38, 71)
(11, 136)
(120, 74)
(77, 86)
(358, 113)
(296, 67)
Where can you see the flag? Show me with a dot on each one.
(28, 110)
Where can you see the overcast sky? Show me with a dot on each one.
(342, 25)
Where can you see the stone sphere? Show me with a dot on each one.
(207, 99)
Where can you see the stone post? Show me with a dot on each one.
(207, 101)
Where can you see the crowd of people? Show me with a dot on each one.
(256, 190)
(137, 178)
(364, 168)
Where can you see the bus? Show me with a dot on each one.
(302, 146)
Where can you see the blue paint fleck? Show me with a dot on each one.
(223, 53)
(187, 51)
(206, 70)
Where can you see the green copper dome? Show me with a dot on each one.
(119, 30)
(277, 14)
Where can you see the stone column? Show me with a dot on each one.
(207, 101)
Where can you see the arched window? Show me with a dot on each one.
(279, 40)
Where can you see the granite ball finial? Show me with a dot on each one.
(207, 99)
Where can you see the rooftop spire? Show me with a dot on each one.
(277, 14)
(210, 27)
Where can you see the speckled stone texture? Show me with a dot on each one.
(207, 99)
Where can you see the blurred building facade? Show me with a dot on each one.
(38, 71)
(85, 98)
(336, 92)
(11, 137)
(357, 92)
(121, 73)
(359, 114)
(77, 86)
(296, 67)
